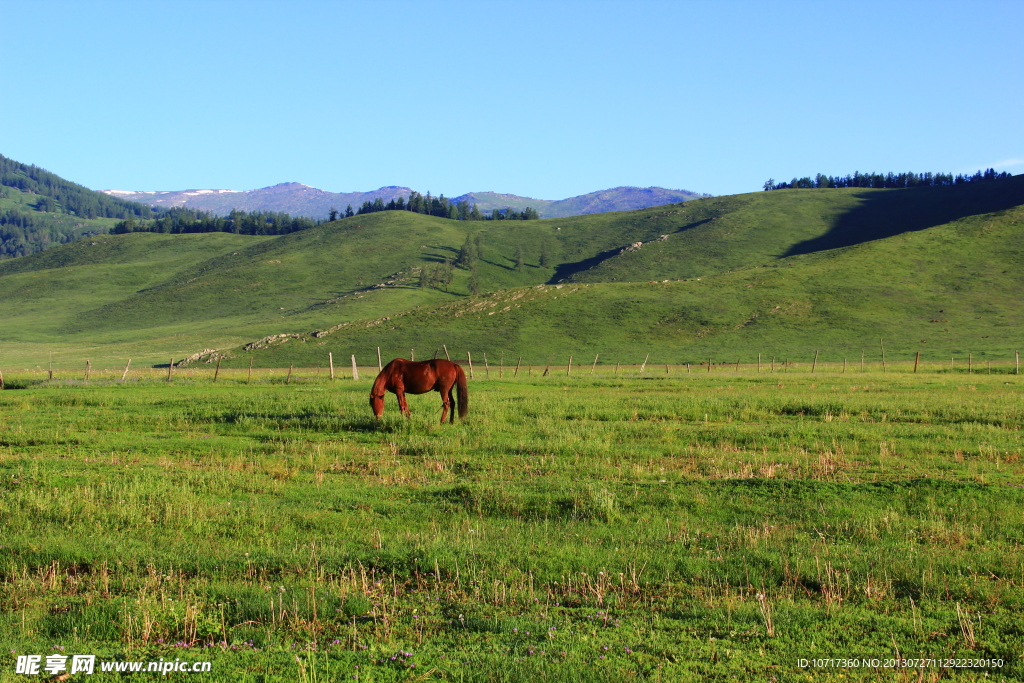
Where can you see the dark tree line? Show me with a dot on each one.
(17, 240)
(62, 196)
(441, 207)
(182, 220)
(888, 180)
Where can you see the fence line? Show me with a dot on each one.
(96, 372)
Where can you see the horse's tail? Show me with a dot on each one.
(462, 392)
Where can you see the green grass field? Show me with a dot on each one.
(614, 526)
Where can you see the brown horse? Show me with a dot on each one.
(402, 376)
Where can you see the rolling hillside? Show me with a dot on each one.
(780, 272)
(39, 209)
(946, 291)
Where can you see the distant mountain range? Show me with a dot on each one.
(302, 200)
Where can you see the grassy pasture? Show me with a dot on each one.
(605, 527)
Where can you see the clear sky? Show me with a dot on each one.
(544, 99)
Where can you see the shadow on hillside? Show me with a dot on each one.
(890, 213)
(567, 270)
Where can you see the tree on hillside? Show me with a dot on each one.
(467, 257)
(333, 215)
(349, 212)
(478, 242)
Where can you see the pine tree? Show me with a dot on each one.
(467, 258)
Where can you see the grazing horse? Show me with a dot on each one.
(402, 376)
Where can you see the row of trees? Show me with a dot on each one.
(182, 220)
(438, 206)
(888, 180)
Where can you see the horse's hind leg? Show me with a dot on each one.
(446, 403)
(451, 404)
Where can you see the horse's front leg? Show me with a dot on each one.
(402, 403)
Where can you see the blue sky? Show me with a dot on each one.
(545, 99)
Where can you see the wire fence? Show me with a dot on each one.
(479, 367)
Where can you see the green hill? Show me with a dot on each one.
(780, 272)
(39, 209)
(947, 291)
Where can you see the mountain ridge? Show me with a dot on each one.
(303, 200)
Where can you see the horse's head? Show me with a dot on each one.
(377, 404)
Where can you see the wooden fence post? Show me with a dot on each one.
(487, 368)
(170, 369)
(970, 363)
(50, 371)
(773, 364)
(446, 352)
(469, 355)
(709, 366)
(759, 364)
(862, 360)
(568, 368)
(288, 379)
(814, 363)
(917, 359)
(1017, 354)
(501, 366)
(355, 370)
(645, 363)
(217, 371)
(844, 365)
(880, 344)
(88, 368)
(548, 366)
(379, 365)
(330, 362)
(1, 380)
(595, 363)
(687, 368)
(248, 380)
(125, 373)
(412, 354)
(516, 374)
